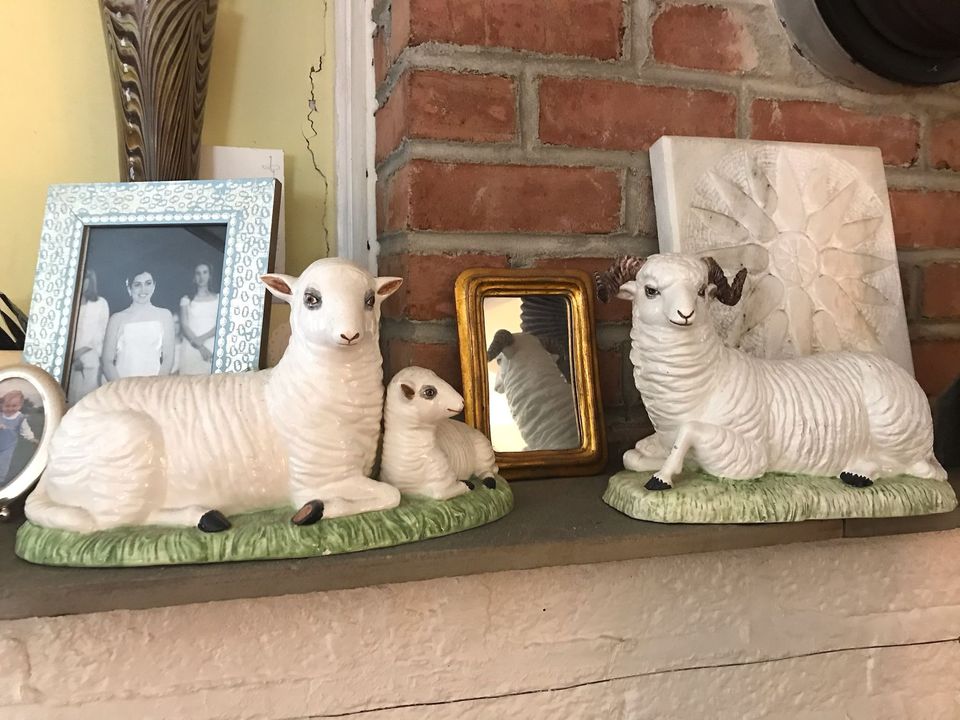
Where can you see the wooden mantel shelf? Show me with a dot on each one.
(555, 522)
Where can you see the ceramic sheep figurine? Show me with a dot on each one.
(188, 450)
(541, 400)
(858, 416)
(424, 451)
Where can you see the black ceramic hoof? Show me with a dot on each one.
(469, 484)
(308, 514)
(855, 480)
(656, 483)
(489, 482)
(213, 521)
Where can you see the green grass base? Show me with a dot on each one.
(701, 498)
(265, 535)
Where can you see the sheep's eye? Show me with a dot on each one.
(702, 292)
(429, 392)
(312, 299)
(499, 360)
(369, 300)
(651, 292)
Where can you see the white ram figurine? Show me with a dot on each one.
(858, 416)
(188, 450)
(424, 451)
(540, 398)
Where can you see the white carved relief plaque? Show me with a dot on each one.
(811, 223)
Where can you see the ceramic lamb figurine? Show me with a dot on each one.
(540, 398)
(858, 416)
(187, 450)
(424, 451)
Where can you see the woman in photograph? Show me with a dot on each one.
(92, 317)
(198, 323)
(13, 428)
(140, 339)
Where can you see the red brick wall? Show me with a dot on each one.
(515, 133)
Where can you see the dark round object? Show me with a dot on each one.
(309, 514)
(656, 484)
(916, 42)
(213, 521)
(855, 480)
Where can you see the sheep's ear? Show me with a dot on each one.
(387, 286)
(408, 392)
(711, 291)
(628, 290)
(280, 286)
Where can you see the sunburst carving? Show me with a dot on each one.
(812, 235)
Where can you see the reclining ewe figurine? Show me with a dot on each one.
(424, 451)
(188, 450)
(858, 416)
(540, 399)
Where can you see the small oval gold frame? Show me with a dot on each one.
(52, 399)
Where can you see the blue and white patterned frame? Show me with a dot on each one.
(249, 208)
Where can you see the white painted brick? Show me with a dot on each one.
(14, 673)
(495, 635)
(839, 685)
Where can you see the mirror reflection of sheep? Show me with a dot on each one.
(185, 450)
(424, 451)
(540, 399)
(858, 416)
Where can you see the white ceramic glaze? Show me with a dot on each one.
(168, 450)
(52, 400)
(812, 225)
(424, 451)
(541, 400)
(738, 416)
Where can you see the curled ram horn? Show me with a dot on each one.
(727, 293)
(623, 270)
(501, 339)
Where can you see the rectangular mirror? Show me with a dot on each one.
(528, 355)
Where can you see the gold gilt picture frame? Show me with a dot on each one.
(476, 286)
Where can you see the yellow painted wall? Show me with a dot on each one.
(57, 115)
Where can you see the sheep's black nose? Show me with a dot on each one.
(686, 317)
(350, 339)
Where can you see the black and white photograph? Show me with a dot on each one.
(146, 305)
(21, 426)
